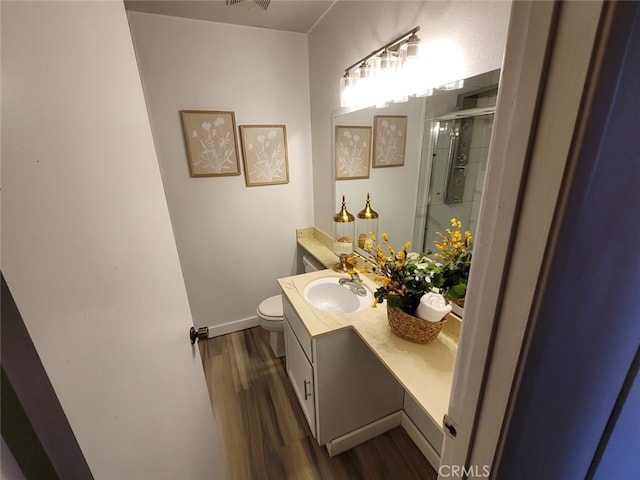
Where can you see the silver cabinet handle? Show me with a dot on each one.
(307, 394)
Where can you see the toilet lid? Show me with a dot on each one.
(271, 307)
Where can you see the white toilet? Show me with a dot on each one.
(269, 314)
(270, 318)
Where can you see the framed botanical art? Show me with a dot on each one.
(264, 154)
(353, 152)
(212, 146)
(389, 140)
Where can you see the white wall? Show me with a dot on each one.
(87, 247)
(352, 29)
(233, 240)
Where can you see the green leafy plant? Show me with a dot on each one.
(454, 252)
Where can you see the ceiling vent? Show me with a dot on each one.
(263, 4)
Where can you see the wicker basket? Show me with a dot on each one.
(411, 328)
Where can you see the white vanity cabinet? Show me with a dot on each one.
(356, 379)
(300, 374)
(340, 383)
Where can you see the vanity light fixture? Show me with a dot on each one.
(366, 222)
(368, 81)
(396, 71)
(343, 235)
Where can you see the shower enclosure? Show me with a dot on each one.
(459, 162)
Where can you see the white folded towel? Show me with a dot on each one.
(433, 307)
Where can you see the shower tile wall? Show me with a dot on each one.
(466, 211)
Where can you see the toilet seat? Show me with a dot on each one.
(270, 309)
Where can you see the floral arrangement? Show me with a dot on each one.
(407, 276)
(454, 251)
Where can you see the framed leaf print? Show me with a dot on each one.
(264, 154)
(389, 140)
(210, 137)
(353, 152)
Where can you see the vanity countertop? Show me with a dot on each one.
(424, 370)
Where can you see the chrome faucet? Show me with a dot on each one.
(355, 284)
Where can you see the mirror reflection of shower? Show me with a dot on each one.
(460, 152)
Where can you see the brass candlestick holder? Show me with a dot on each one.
(343, 235)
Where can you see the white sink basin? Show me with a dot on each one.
(328, 295)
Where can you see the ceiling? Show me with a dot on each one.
(288, 15)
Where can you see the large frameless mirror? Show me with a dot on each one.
(441, 175)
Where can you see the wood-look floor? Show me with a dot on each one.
(263, 433)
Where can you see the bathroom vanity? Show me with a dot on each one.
(354, 378)
(338, 380)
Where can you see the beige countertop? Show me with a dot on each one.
(424, 370)
(318, 250)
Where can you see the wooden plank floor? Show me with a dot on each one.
(263, 433)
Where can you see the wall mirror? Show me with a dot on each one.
(442, 173)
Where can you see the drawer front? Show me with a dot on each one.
(300, 374)
(297, 326)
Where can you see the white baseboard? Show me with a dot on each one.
(363, 434)
(423, 445)
(234, 326)
(372, 430)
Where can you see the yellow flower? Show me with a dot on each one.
(452, 245)
(394, 269)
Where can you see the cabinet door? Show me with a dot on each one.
(353, 387)
(300, 373)
(299, 330)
